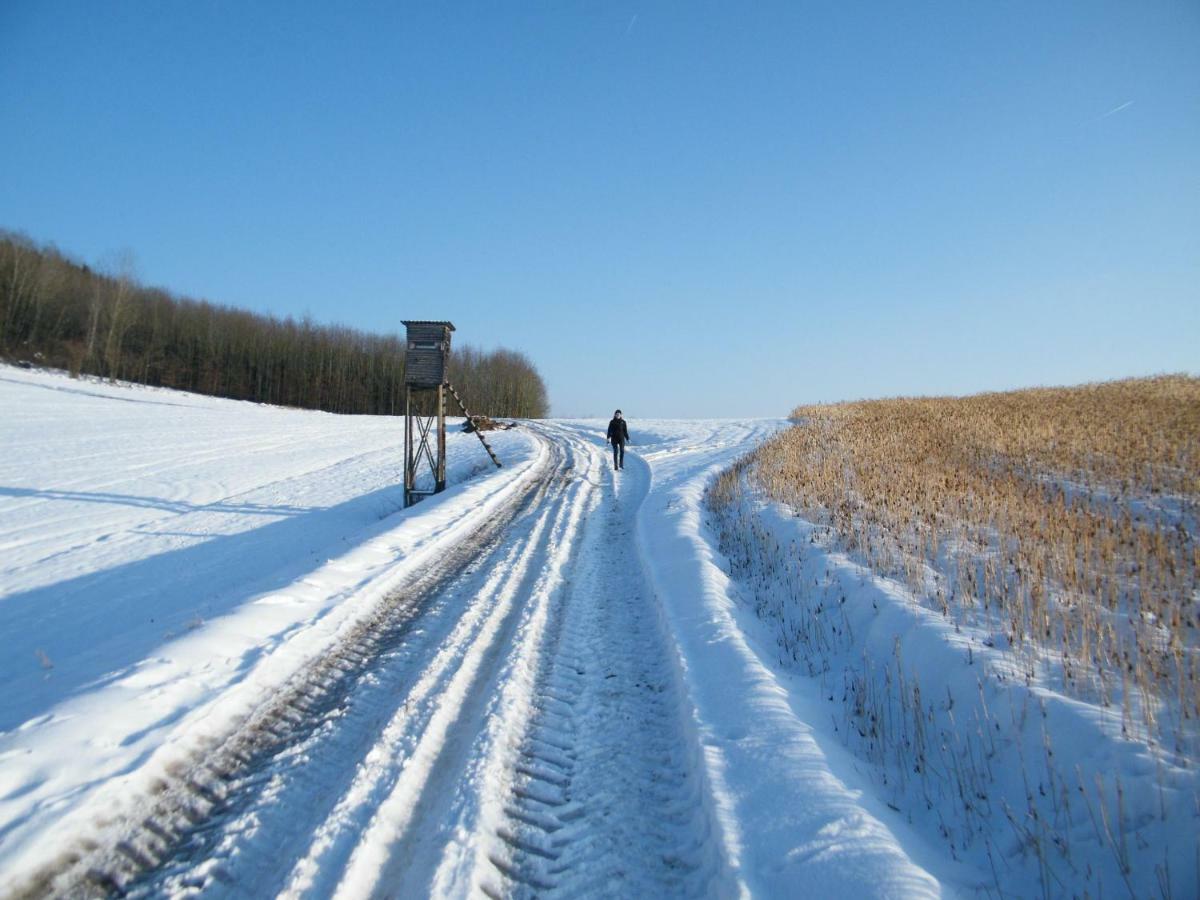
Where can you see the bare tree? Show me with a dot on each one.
(119, 313)
(105, 323)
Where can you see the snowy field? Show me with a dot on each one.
(234, 665)
(160, 549)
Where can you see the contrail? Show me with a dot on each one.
(1114, 110)
(632, 22)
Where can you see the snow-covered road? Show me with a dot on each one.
(532, 684)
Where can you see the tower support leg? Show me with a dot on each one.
(409, 459)
(423, 448)
(440, 475)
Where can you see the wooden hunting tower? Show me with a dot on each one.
(428, 348)
(425, 389)
(424, 404)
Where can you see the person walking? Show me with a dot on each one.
(618, 436)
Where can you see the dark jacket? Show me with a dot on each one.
(618, 431)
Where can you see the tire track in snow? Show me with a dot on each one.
(603, 792)
(220, 808)
(510, 723)
(395, 854)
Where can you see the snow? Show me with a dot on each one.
(792, 815)
(544, 680)
(161, 549)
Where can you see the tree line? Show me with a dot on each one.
(57, 312)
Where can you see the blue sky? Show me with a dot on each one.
(680, 209)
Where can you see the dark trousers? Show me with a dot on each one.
(618, 454)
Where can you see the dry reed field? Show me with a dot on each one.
(1061, 520)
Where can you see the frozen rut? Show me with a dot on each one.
(511, 723)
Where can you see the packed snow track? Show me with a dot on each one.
(473, 734)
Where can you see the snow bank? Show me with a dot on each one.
(1033, 793)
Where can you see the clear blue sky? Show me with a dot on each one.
(679, 209)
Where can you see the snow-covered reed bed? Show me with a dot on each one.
(1063, 521)
(996, 597)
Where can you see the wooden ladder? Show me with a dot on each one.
(478, 433)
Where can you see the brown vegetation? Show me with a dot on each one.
(1064, 520)
(485, 423)
(57, 312)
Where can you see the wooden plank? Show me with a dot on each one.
(437, 333)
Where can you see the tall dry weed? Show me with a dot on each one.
(1062, 519)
